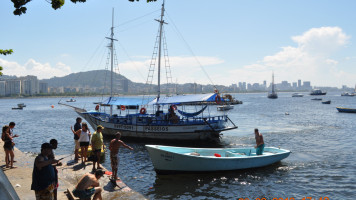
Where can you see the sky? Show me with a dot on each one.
(208, 42)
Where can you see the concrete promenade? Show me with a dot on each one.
(69, 174)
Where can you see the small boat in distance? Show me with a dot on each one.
(346, 110)
(21, 105)
(225, 107)
(317, 92)
(273, 93)
(168, 159)
(326, 102)
(317, 99)
(297, 95)
(71, 100)
(347, 94)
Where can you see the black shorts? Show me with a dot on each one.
(84, 144)
(97, 151)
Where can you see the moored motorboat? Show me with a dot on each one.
(346, 110)
(347, 94)
(326, 102)
(317, 92)
(297, 95)
(71, 100)
(21, 105)
(184, 159)
(225, 107)
(317, 99)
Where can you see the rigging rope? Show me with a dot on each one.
(191, 51)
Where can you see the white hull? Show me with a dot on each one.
(224, 107)
(180, 159)
(158, 132)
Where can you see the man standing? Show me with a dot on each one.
(77, 126)
(115, 144)
(260, 145)
(12, 126)
(43, 175)
(54, 144)
(96, 144)
(91, 181)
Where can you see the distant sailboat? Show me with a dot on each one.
(273, 93)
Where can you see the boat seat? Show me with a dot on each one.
(232, 154)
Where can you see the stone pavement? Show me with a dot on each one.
(69, 174)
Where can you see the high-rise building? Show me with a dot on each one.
(30, 85)
(306, 85)
(43, 87)
(299, 83)
(13, 87)
(2, 88)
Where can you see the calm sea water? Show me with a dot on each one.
(322, 141)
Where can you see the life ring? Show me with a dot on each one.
(218, 99)
(143, 111)
(173, 107)
(97, 107)
(122, 107)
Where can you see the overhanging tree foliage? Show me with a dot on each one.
(4, 52)
(21, 9)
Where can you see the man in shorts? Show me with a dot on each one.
(115, 144)
(96, 144)
(77, 126)
(54, 144)
(260, 144)
(88, 185)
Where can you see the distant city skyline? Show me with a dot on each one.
(32, 86)
(234, 41)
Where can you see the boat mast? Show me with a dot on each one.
(161, 21)
(111, 46)
(272, 82)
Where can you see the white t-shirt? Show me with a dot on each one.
(84, 136)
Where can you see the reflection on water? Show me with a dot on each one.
(322, 142)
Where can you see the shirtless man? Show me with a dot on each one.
(260, 145)
(115, 144)
(89, 185)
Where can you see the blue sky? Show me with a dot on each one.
(232, 40)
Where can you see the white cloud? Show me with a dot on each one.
(32, 67)
(309, 60)
(185, 68)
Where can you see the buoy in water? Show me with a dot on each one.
(52, 106)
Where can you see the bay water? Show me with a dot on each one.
(322, 141)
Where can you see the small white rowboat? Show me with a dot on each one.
(182, 159)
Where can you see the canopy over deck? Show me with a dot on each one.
(186, 99)
(126, 101)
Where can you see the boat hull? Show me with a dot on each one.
(346, 110)
(179, 159)
(194, 132)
